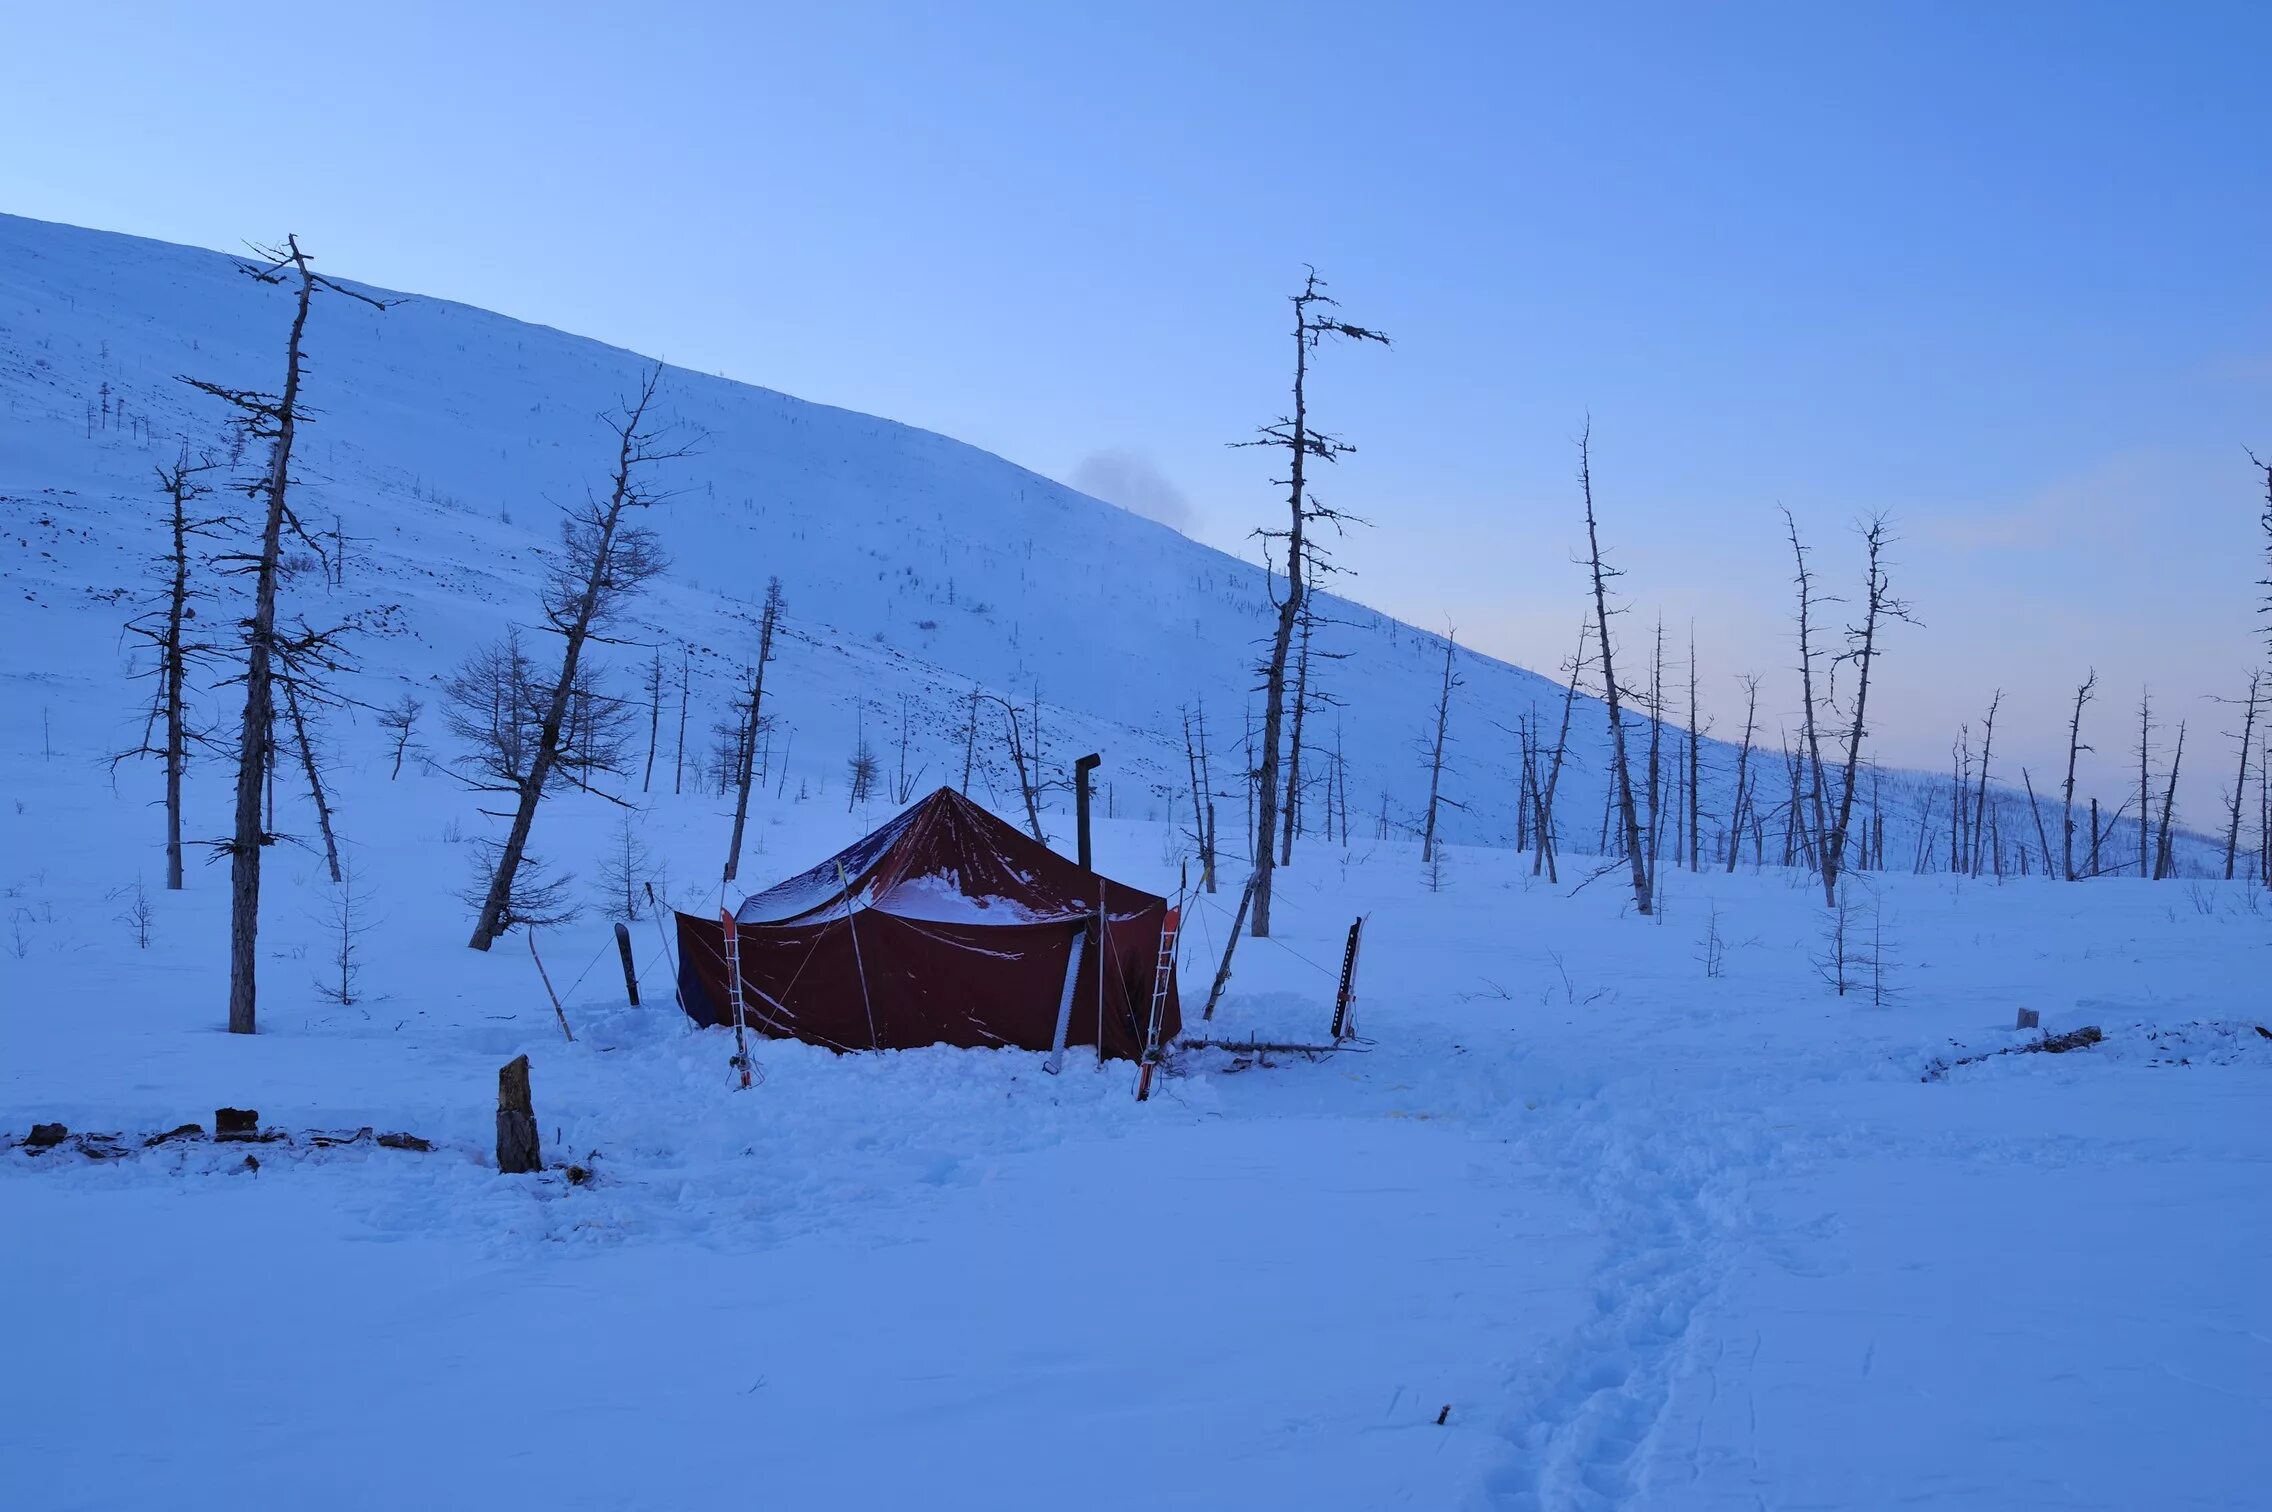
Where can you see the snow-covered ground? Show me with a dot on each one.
(1639, 1233)
(1655, 1238)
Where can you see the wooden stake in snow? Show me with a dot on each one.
(517, 1150)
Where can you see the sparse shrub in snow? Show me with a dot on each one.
(138, 915)
(1712, 950)
(346, 919)
(627, 866)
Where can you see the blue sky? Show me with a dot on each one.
(2000, 269)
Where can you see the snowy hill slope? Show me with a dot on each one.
(914, 565)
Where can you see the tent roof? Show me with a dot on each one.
(945, 860)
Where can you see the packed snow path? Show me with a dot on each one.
(1655, 1239)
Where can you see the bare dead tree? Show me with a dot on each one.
(275, 419)
(1880, 608)
(1315, 319)
(168, 733)
(1743, 797)
(312, 769)
(1980, 793)
(1291, 819)
(1436, 746)
(1202, 790)
(2041, 838)
(2075, 747)
(2240, 783)
(2145, 796)
(1695, 761)
(605, 557)
(1629, 818)
(652, 686)
(2264, 521)
(1542, 859)
(904, 780)
(752, 707)
(1810, 724)
(2164, 857)
(1653, 821)
(400, 720)
(1025, 762)
(1308, 695)
(685, 694)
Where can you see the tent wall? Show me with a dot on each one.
(876, 981)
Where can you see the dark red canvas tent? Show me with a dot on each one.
(946, 926)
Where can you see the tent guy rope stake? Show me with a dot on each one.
(557, 1011)
(734, 992)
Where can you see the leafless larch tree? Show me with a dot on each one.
(605, 556)
(274, 419)
(1621, 771)
(751, 713)
(168, 628)
(1315, 320)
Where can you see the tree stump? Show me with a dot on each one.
(517, 1150)
(235, 1123)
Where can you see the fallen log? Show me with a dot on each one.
(2050, 1044)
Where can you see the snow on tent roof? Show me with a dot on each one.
(945, 860)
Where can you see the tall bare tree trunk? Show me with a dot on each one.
(603, 574)
(1695, 762)
(2075, 747)
(2163, 856)
(1809, 730)
(1436, 752)
(1743, 766)
(685, 692)
(1629, 818)
(1312, 323)
(2240, 783)
(256, 729)
(1292, 820)
(173, 646)
(1543, 858)
(2145, 797)
(1879, 606)
(314, 776)
(1656, 815)
(748, 752)
(654, 717)
(1980, 794)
